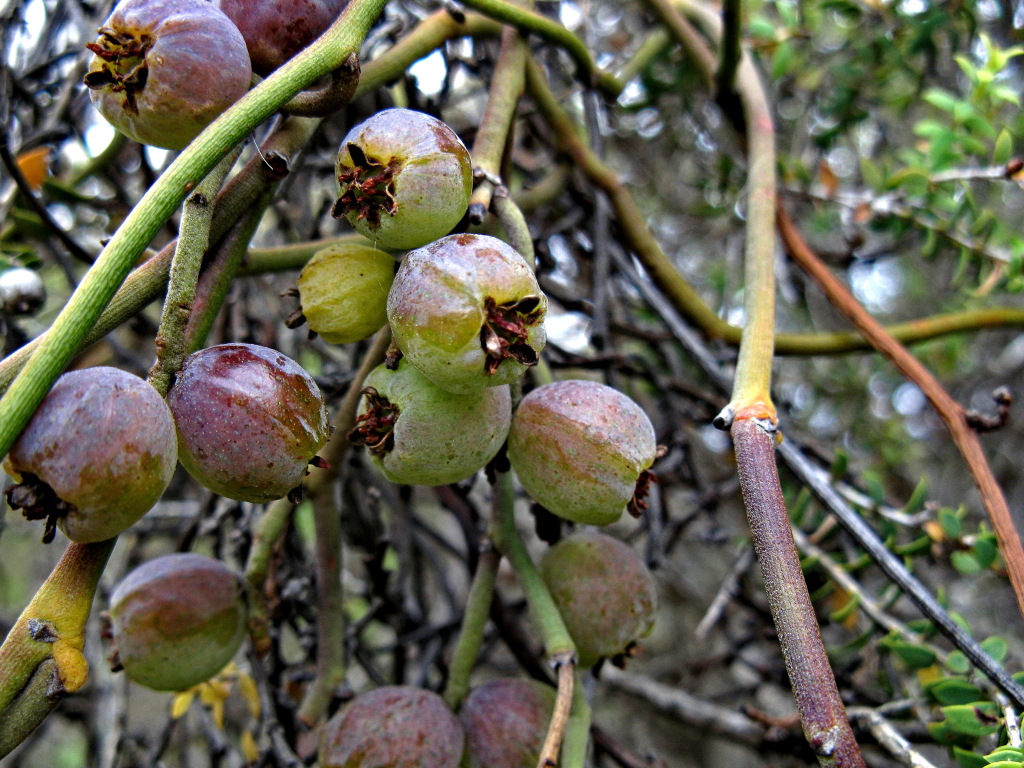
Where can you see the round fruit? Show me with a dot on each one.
(394, 726)
(582, 450)
(275, 30)
(605, 593)
(96, 455)
(343, 291)
(468, 313)
(249, 421)
(421, 435)
(165, 69)
(506, 721)
(404, 178)
(177, 620)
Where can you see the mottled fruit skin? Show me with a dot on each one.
(442, 312)
(404, 178)
(165, 69)
(249, 421)
(438, 437)
(275, 30)
(103, 441)
(177, 620)
(505, 721)
(343, 291)
(394, 726)
(579, 448)
(605, 593)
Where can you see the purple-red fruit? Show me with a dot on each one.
(467, 311)
(404, 179)
(249, 421)
(506, 721)
(177, 620)
(604, 592)
(96, 455)
(165, 69)
(582, 449)
(275, 30)
(421, 435)
(394, 726)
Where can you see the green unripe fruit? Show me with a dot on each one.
(177, 620)
(506, 721)
(604, 592)
(421, 435)
(96, 455)
(467, 312)
(582, 449)
(343, 291)
(404, 179)
(396, 726)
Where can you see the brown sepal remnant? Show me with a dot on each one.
(124, 73)
(505, 331)
(638, 503)
(38, 501)
(981, 422)
(375, 428)
(368, 189)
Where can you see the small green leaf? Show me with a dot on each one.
(957, 662)
(916, 500)
(985, 550)
(1005, 764)
(940, 99)
(1014, 754)
(1004, 148)
(965, 563)
(950, 522)
(955, 691)
(871, 174)
(913, 655)
(995, 647)
(977, 719)
(781, 60)
(967, 759)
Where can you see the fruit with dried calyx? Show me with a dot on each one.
(604, 592)
(467, 311)
(419, 434)
(583, 450)
(506, 721)
(396, 726)
(343, 292)
(165, 69)
(177, 620)
(404, 179)
(275, 30)
(96, 455)
(249, 419)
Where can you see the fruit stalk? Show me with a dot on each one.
(193, 240)
(119, 256)
(41, 659)
(474, 620)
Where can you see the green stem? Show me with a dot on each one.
(545, 613)
(512, 220)
(531, 21)
(119, 256)
(41, 659)
(577, 732)
(653, 46)
(474, 621)
(193, 240)
(492, 137)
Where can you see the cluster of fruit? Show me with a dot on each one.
(467, 315)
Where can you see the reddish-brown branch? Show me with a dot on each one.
(951, 412)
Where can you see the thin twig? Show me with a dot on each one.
(887, 735)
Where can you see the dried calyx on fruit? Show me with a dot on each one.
(397, 726)
(165, 69)
(505, 721)
(249, 419)
(177, 621)
(467, 312)
(275, 30)
(604, 592)
(96, 455)
(404, 178)
(582, 450)
(343, 292)
(421, 435)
